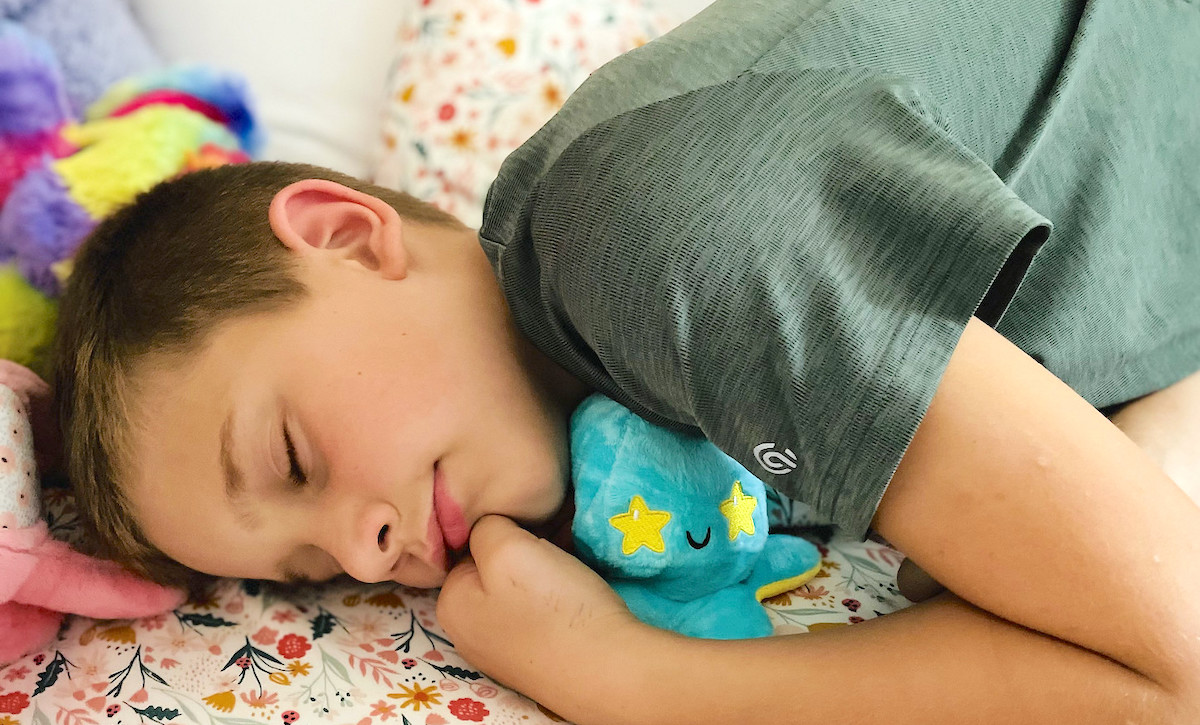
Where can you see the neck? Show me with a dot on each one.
(559, 388)
(564, 390)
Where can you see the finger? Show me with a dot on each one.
(464, 576)
(511, 559)
(460, 598)
(493, 536)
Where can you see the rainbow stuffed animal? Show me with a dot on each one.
(58, 178)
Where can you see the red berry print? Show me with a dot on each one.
(113, 709)
(446, 112)
(294, 646)
(856, 620)
(464, 708)
(243, 662)
(290, 716)
(408, 663)
(13, 702)
(851, 604)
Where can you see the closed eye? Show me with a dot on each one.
(299, 478)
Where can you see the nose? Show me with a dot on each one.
(370, 542)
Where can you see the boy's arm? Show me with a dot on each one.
(1077, 555)
(1022, 499)
(1026, 502)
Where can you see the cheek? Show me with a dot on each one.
(379, 426)
(194, 532)
(535, 475)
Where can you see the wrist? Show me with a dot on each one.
(637, 675)
(601, 676)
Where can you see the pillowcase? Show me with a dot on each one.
(473, 79)
(315, 68)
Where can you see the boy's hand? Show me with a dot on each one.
(530, 615)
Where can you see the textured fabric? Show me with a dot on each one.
(341, 653)
(473, 79)
(772, 225)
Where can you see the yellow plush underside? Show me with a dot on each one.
(766, 591)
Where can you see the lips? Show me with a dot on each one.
(436, 546)
(454, 528)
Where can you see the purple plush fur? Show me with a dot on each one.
(41, 224)
(31, 88)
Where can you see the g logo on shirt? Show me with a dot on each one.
(777, 462)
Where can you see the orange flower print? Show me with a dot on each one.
(417, 697)
(809, 592)
(552, 95)
(463, 140)
(507, 46)
(121, 634)
(779, 600)
(223, 701)
(298, 668)
(262, 699)
(383, 710)
(391, 600)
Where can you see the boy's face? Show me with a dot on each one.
(410, 405)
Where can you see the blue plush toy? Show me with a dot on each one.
(677, 527)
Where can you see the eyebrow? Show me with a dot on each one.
(235, 481)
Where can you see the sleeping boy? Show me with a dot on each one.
(785, 226)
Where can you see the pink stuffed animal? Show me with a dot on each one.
(42, 578)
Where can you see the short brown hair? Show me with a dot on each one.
(156, 277)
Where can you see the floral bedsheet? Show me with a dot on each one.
(340, 652)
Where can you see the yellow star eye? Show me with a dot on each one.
(739, 510)
(641, 527)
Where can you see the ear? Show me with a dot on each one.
(316, 216)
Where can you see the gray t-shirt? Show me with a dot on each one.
(771, 225)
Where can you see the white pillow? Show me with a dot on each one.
(316, 68)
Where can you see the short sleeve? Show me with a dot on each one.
(785, 261)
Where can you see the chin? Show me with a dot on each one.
(548, 501)
(432, 583)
